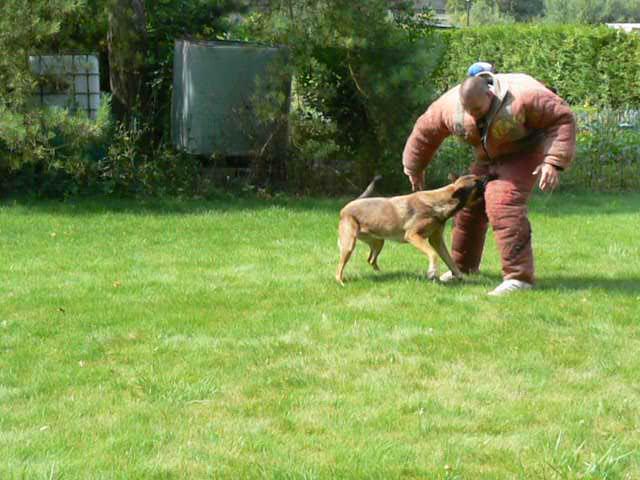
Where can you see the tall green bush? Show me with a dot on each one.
(594, 12)
(588, 65)
(362, 78)
(56, 153)
(25, 28)
(51, 151)
(608, 151)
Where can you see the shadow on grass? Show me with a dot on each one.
(417, 276)
(382, 277)
(620, 285)
(555, 205)
(88, 206)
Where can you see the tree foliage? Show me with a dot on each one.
(592, 11)
(362, 76)
(26, 27)
(588, 65)
(481, 12)
(75, 152)
(490, 12)
(127, 46)
(521, 10)
(363, 72)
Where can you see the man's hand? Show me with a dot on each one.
(549, 177)
(417, 182)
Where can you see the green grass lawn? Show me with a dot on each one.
(209, 339)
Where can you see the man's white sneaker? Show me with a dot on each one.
(449, 277)
(510, 286)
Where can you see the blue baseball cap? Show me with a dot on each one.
(480, 67)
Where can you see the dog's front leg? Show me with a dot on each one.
(421, 244)
(437, 242)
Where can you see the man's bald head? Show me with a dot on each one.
(476, 96)
(473, 87)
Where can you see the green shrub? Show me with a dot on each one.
(362, 78)
(588, 65)
(53, 152)
(607, 152)
(50, 150)
(134, 166)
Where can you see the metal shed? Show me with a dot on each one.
(216, 85)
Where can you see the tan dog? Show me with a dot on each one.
(417, 218)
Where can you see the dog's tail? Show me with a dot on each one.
(371, 187)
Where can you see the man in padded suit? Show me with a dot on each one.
(520, 130)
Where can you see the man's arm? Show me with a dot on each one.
(427, 135)
(548, 112)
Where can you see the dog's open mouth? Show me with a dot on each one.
(484, 181)
(478, 192)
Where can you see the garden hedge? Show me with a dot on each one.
(588, 65)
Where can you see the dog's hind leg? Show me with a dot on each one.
(375, 246)
(347, 235)
(421, 244)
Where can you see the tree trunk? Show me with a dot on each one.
(127, 42)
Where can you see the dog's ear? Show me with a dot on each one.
(452, 177)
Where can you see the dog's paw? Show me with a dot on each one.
(432, 276)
